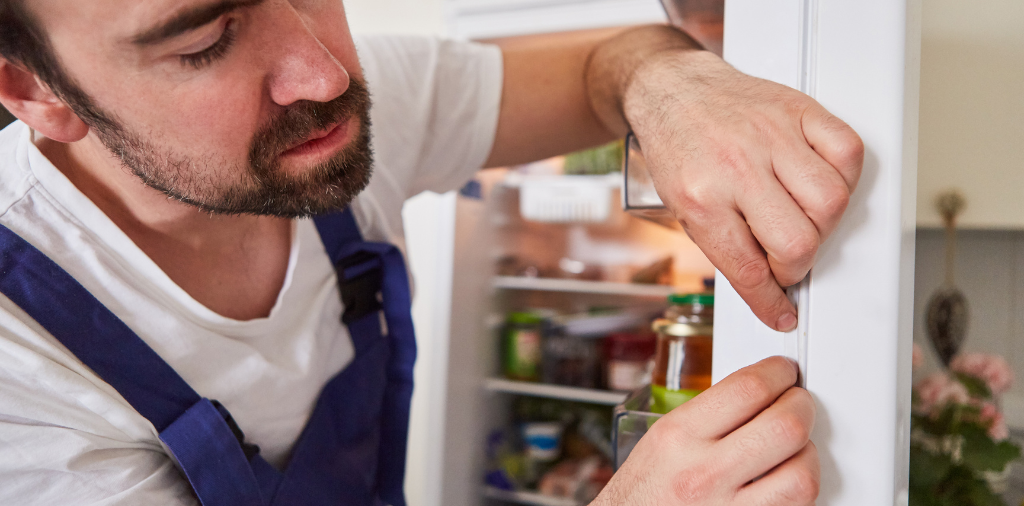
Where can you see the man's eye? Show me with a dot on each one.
(207, 56)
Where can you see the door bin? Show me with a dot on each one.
(632, 419)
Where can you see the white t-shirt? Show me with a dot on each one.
(66, 437)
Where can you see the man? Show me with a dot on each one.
(169, 154)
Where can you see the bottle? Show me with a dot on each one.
(682, 363)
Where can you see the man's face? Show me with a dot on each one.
(235, 106)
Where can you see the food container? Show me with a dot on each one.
(571, 360)
(628, 360)
(521, 345)
(682, 364)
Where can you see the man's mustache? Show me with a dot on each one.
(302, 119)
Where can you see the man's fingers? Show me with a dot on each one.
(789, 237)
(772, 437)
(835, 141)
(729, 244)
(817, 187)
(735, 400)
(796, 482)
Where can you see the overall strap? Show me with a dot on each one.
(378, 267)
(199, 432)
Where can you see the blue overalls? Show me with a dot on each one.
(352, 450)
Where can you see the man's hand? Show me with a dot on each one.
(753, 425)
(757, 173)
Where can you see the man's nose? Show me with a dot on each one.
(304, 68)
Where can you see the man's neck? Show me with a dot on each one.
(235, 265)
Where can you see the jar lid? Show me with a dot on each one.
(703, 299)
(524, 318)
(676, 329)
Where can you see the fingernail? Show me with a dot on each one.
(786, 323)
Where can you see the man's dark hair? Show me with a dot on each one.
(23, 42)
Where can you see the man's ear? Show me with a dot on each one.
(30, 100)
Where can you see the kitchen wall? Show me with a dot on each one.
(990, 272)
(419, 17)
(972, 105)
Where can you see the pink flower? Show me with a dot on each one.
(939, 389)
(988, 412)
(918, 357)
(998, 430)
(992, 369)
(995, 421)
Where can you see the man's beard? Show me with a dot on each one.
(263, 188)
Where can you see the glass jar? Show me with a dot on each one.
(522, 346)
(682, 363)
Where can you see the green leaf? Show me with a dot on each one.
(982, 453)
(975, 386)
(980, 495)
(927, 469)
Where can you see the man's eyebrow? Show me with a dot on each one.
(190, 19)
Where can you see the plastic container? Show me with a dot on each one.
(632, 419)
(571, 360)
(682, 364)
(543, 440)
(628, 360)
(567, 199)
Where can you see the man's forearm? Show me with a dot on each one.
(545, 110)
(613, 65)
(564, 92)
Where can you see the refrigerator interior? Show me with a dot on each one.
(490, 230)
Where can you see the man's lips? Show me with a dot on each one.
(323, 140)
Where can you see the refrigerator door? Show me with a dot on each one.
(861, 60)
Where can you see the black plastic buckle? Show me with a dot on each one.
(361, 294)
(250, 450)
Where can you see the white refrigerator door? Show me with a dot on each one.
(860, 59)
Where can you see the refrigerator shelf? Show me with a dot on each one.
(580, 286)
(528, 498)
(587, 395)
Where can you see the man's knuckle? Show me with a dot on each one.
(754, 389)
(696, 198)
(803, 485)
(801, 247)
(834, 202)
(791, 428)
(847, 146)
(670, 431)
(751, 272)
(852, 148)
(734, 162)
(751, 446)
(694, 485)
(803, 399)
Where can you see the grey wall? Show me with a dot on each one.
(990, 271)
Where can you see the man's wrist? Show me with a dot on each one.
(614, 64)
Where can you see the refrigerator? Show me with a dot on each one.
(853, 344)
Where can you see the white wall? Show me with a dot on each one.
(421, 17)
(972, 110)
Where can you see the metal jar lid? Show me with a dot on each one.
(676, 329)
